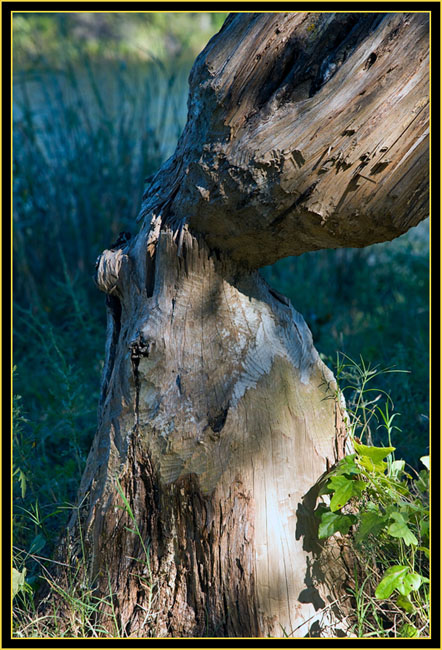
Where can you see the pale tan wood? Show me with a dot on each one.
(234, 408)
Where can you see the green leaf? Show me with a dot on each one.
(397, 468)
(376, 454)
(369, 464)
(425, 460)
(124, 499)
(131, 530)
(424, 527)
(400, 529)
(344, 489)
(37, 543)
(400, 517)
(425, 550)
(18, 581)
(412, 582)
(21, 477)
(332, 523)
(22, 480)
(347, 466)
(393, 578)
(402, 532)
(408, 631)
(371, 523)
(405, 603)
(423, 482)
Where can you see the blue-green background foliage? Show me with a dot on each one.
(99, 102)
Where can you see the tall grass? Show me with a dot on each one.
(84, 141)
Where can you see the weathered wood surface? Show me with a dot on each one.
(217, 415)
(305, 131)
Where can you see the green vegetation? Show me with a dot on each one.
(386, 510)
(112, 36)
(88, 129)
(77, 610)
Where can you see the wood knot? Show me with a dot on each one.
(140, 347)
(107, 270)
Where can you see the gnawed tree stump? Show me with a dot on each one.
(215, 394)
(217, 418)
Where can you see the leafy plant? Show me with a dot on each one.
(18, 581)
(370, 496)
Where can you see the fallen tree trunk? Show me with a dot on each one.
(217, 418)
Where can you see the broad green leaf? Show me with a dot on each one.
(400, 517)
(344, 489)
(332, 522)
(405, 603)
(408, 631)
(412, 582)
(425, 460)
(403, 532)
(376, 454)
(393, 578)
(346, 466)
(18, 581)
(400, 529)
(369, 464)
(424, 527)
(371, 523)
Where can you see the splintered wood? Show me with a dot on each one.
(215, 385)
(313, 132)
